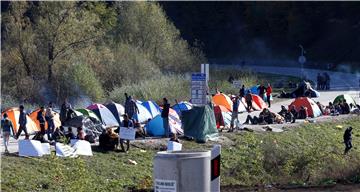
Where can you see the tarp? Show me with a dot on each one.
(152, 107)
(346, 97)
(104, 115)
(224, 100)
(85, 123)
(312, 108)
(117, 110)
(182, 106)
(199, 123)
(143, 114)
(33, 116)
(13, 115)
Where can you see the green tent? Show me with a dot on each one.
(88, 113)
(346, 97)
(199, 123)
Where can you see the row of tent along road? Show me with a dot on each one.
(96, 117)
(223, 106)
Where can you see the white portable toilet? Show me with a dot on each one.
(182, 171)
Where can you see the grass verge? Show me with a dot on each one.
(311, 154)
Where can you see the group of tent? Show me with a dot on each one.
(96, 117)
(223, 106)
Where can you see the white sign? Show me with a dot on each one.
(46, 148)
(198, 88)
(237, 84)
(165, 185)
(127, 133)
(174, 146)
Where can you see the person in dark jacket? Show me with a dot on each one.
(58, 134)
(261, 90)
(345, 107)
(242, 92)
(347, 139)
(294, 113)
(130, 107)
(65, 112)
(6, 127)
(129, 124)
(303, 114)
(165, 116)
(248, 100)
(22, 123)
(41, 118)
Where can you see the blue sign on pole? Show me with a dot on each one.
(198, 88)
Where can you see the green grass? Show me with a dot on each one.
(311, 154)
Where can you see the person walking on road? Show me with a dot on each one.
(22, 123)
(6, 128)
(347, 139)
(165, 116)
(268, 94)
(49, 116)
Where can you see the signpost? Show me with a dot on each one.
(198, 89)
(302, 59)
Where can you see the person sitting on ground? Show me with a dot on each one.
(108, 140)
(321, 107)
(327, 111)
(269, 117)
(283, 111)
(80, 134)
(303, 113)
(90, 137)
(140, 132)
(128, 124)
(338, 109)
(248, 100)
(70, 135)
(174, 138)
(345, 107)
(58, 134)
(256, 120)
(278, 118)
(294, 112)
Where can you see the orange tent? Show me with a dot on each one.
(224, 100)
(13, 115)
(312, 108)
(33, 116)
(258, 102)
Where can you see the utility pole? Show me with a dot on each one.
(302, 60)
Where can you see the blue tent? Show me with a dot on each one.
(254, 90)
(143, 114)
(182, 106)
(152, 107)
(117, 110)
(155, 127)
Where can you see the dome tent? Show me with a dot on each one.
(104, 115)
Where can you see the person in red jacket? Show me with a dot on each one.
(268, 94)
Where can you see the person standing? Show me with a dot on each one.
(22, 123)
(235, 113)
(49, 116)
(128, 124)
(268, 94)
(347, 140)
(242, 92)
(248, 100)
(130, 107)
(41, 118)
(165, 117)
(6, 128)
(65, 111)
(261, 90)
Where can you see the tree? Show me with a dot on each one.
(63, 27)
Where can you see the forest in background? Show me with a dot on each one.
(56, 50)
(233, 31)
